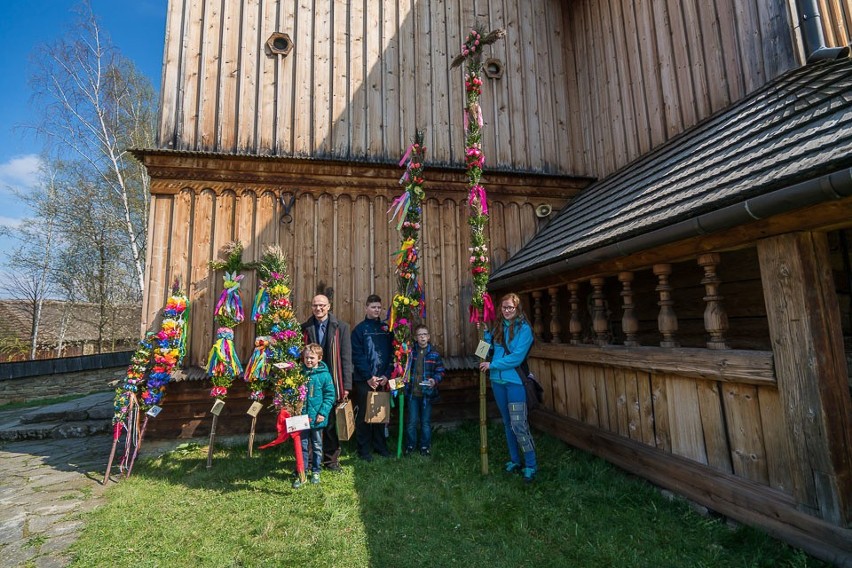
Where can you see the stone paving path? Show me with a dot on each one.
(44, 487)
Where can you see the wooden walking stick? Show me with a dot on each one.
(217, 408)
(116, 434)
(483, 414)
(253, 411)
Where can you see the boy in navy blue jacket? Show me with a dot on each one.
(427, 370)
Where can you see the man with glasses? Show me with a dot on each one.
(333, 335)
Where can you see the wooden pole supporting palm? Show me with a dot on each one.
(251, 436)
(483, 416)
(481, 306)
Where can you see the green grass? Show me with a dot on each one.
(435, 512)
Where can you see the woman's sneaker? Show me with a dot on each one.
(512, 467)
(529, 474)
(297, 483)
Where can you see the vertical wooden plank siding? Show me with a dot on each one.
(244, 231)
(161, 211)
(588, 86)
(271, 72)
(684, 413)
(319, 129)
(210, 70)
(742, 414)
(202, 283)
(713, 424)
(170, 99)
(340, 96)
(390, 69)
(803, 316)
(662, 420)
(179, 251)
(227, 117)
(374, 79)
(357, 80)
(251, 50)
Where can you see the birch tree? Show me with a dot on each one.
(94, 106)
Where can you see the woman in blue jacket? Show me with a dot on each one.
(511, 339)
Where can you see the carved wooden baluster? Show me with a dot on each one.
(715, 316)
(555, 324)
(575, 326)
(599, 320)
(666, 320)
(538, 326)
(629, 321)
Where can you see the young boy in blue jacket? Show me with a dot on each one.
(319, 401)
(427, 370)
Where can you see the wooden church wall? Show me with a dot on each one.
(361, 77)
(587, 87)
(339, 236)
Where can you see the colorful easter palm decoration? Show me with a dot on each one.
(481, 307)
(276, 322)
(169, 346)
(149, 372)
(409, 300)
(126, 416)
(223, 364)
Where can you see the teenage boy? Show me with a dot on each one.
(372, 361)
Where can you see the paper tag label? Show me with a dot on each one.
(217, 407)
(154, 411)
(482, 349)
(392, 384)
(254, 409)
(300, 422)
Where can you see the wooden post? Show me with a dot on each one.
(599, 320)
(666, 320)
(538, 325)
(483, 413)
(555, 324)
(212, 442)
(715, 316)
(251, 436)
(810, 366)
(629, 322)
(116, 433)
(575, 326)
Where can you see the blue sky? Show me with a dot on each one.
(136, 27)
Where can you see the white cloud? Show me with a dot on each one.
(20, 172)
(10, 222)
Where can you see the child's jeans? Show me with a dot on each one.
(314, 438)
(419, 417)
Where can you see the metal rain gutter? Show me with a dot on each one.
(830, 187)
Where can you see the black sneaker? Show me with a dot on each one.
(408, 451)
(425, 452)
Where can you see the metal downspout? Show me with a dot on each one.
(812, 36)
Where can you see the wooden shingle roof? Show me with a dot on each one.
(16, 322)
(794, 129)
